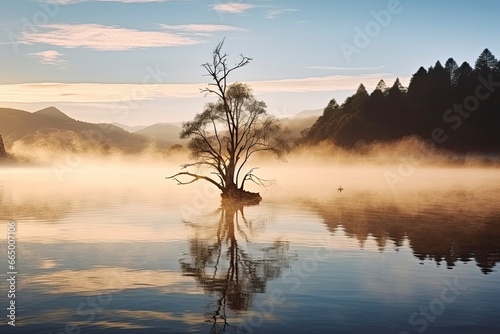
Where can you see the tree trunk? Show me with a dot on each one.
(232, 193)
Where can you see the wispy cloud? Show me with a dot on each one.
(232, 7)
(321, 84)
(200, 28)
(273, 13)
(103, 38)
(49, 57)
(336, 68)
(109, 93)
(93, 92)
(72, 2)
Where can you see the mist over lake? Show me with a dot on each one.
(112, 249)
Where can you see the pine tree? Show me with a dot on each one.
(381, 86)
(418, 83)
(451, 68)
(486, 61)
(361, 90)
(397, 86)
(464, 73)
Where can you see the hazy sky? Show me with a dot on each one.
(138, 61)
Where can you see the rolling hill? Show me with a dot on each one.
(129, 128)
(163, 132)
(50, 126)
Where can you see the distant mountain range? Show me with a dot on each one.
(129, 128)
(163, 132)
(50, 127)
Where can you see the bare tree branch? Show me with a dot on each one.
(195, 178)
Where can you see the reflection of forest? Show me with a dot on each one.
(225, 262)
(459, 227)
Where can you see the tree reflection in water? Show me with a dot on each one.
(225, 262)
(449, 228)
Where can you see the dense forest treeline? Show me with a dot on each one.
(455, 107)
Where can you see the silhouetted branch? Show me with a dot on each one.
(196, 177)
(257, 180)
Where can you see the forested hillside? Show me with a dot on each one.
(455, 107)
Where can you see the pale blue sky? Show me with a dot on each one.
(100, 52)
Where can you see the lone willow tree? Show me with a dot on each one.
(224, 137)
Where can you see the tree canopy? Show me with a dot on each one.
(229, 132)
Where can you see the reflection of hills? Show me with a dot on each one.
(224, 262)
(434, 227)
(49, 201)
(45, 209)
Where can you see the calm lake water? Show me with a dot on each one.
(123, 250)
